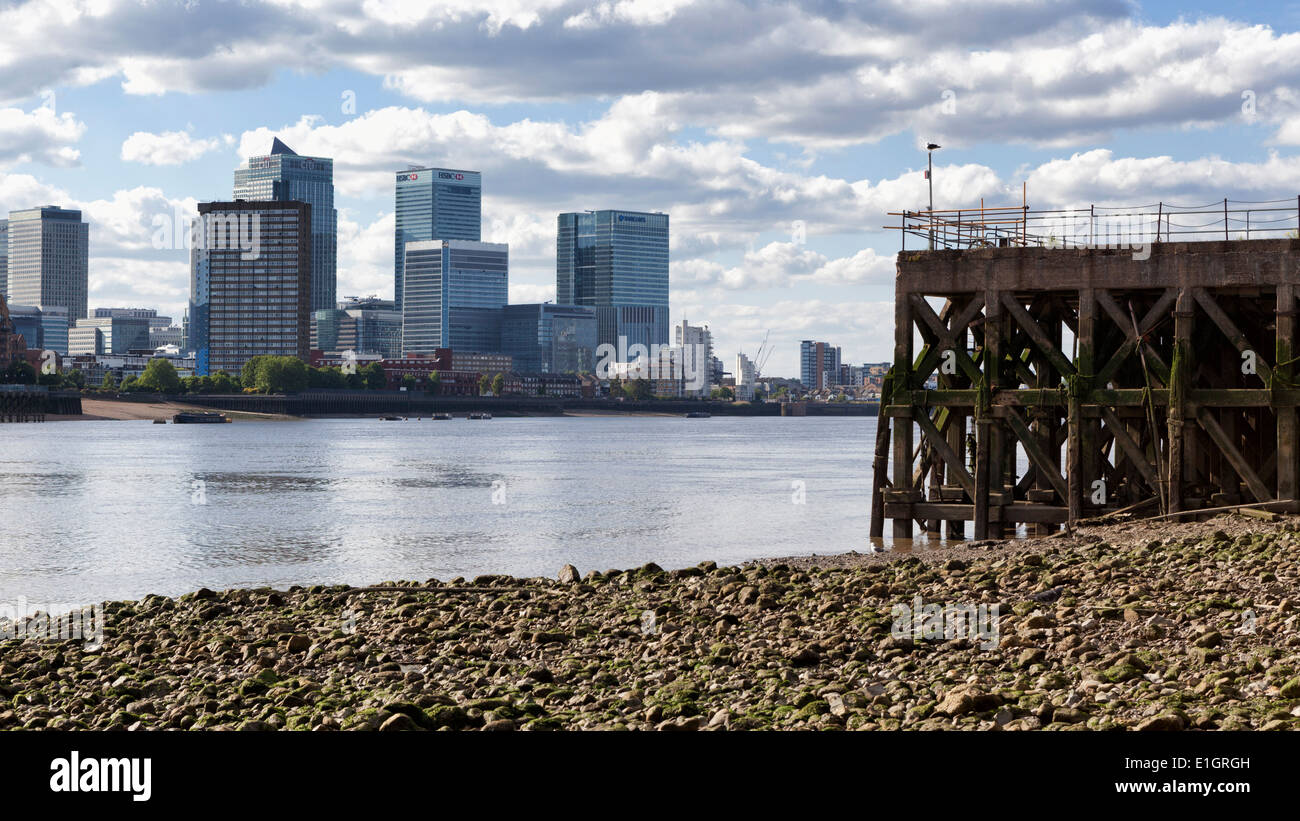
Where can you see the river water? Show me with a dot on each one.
(107, 510)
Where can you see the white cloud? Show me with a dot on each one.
(167, 148)
(39, 135)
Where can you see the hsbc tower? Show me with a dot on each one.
(434, 204)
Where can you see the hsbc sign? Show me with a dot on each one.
(405, 177)
(448, 175)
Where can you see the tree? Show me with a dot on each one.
(433, 384)
(374, 377)
(160, 376)
(409, 382)
(52, 380)
(484, 384)
(128, 384)
(724, 393)
(221, 382)
(19, 372)
(325, 378)
(498, 382)
(275, 374)
(73, 378)
(248, 375)
(637, 389)
(110, 381)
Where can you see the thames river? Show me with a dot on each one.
(95, 511)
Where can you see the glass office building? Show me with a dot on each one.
(546, 338)
(454, 295)
(364, 326)
(43, 328)
(434, 204)
(285, 175)
(49, 252)
(109, 335)
(249, 300)
(617, 263)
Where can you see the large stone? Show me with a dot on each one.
(569, 575)
(1165, 722)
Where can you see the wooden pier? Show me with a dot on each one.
(1066, 383)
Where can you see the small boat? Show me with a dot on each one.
(479, 416)
(438, 417)
(699, 415)
(390, 419)
(160, 421)
(199, 418)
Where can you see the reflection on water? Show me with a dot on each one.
(109, 510)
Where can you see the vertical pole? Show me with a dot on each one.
(1179, 368)
(991, 445)
(902, 408)
(1076, 478)
(929, 177)
(1283, 374)
(1225, 218)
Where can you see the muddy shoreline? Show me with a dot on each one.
(1128, 626)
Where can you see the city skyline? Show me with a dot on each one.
(778, 205)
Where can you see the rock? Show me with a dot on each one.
(805, 656)
(967, 699)
(1030, 656)
(836, 702)
(1068, 715)
(1165, 721)
(255, 727)
(298, 644)
(720, 719)
(1209, 639)
(1290, 690)
(569, 575)
(499, 725)
(398, 722)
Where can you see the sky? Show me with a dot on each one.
(777, 135)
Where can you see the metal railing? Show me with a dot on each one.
(1099, 226)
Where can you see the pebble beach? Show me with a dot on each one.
(1131, 626)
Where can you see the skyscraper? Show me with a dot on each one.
(285, 175)
(617, 263)
(454, 295)
(4, 257)
(819, 364)
(49, 251)
(250, 283)
(434, 204)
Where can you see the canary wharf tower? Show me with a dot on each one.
(434, 204)
(283, 175)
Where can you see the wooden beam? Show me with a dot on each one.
(1132, 449)
(1234, 334)
(1040, 340)
(1037, 456)
(941, 446)
(1233, 456)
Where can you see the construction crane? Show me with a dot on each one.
(761, 357)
